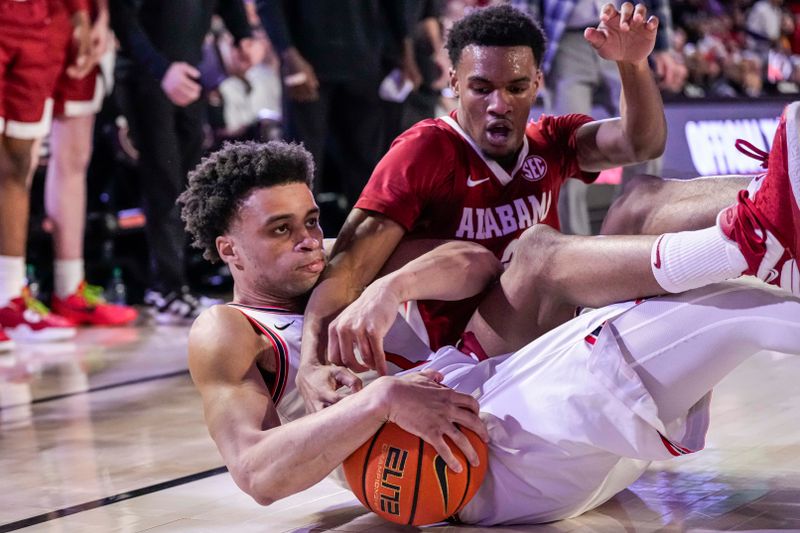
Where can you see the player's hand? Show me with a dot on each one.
(180, 83)
(318, 384)
(363, 325)
(420, 404)
(627, 35)
(100, 37)
(81, 46)
(299, 79)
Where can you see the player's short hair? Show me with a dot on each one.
(500, 25)
(225, 178)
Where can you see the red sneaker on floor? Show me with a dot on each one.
(87, 306)
(6, 344)
(27, 319)
(767, 227)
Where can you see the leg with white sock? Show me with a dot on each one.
(65, 202)
(681, 346)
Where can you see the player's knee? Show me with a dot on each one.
(536, 247)
(627, 214)
(15, 164)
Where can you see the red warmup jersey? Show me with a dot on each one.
(437, 184)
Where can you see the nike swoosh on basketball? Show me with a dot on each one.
(473, 183)
(657, 262)
(283, 326)
(440, 467)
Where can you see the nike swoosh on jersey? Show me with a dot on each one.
(474, 183)
(283, 326)
(771, 275)
(657, 262)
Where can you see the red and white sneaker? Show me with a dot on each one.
(87, 306)
(6, 344)
(767, 227)
(27, 319)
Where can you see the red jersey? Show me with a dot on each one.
(437, 184)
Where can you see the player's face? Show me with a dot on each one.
(496, 87)
(277, 241)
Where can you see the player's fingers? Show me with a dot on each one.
(431, 374)
(334, 354)
(441, 447)
(470, 420)
(462, 443)
(465, 401)
(378, 355)
(191, 71)
(347, 353)
(595, 37)
(639, 15)
(608, 12)
(652, 23)
(625, 16)
(365, 350)
(346, 377)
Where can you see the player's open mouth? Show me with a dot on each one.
(498, 133)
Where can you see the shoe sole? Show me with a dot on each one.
(6, 346)
(26, 334)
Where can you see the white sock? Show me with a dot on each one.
(12, 277)
(67, 275)
(691, 259)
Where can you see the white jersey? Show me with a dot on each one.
(283, 329)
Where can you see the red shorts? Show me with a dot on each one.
(30, 62)
(79, 98)
(75, 97)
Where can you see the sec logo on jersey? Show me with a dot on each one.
(534, 168)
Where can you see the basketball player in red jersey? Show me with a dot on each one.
(571, 418)
(483, 173)
(30, 62)
(403, 201)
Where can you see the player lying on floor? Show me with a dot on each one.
(571, 418)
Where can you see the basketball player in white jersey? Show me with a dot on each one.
(571, 418)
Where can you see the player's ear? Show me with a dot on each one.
(228, 251)
(454, 82)
(538, 78)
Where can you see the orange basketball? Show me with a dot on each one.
(400, 477)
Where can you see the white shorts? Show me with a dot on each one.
(571, 424)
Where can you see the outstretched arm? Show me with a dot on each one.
(270, 461)
(626, 36)
(453, 271)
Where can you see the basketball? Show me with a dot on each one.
(400, 477)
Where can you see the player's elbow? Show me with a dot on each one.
(649, 146)
(477, 260)
(255, 482)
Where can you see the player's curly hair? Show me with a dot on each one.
(500, 25)
(224, 179)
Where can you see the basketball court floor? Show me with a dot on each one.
(105, 434)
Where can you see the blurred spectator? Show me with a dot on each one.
(331, 53)
(164, 40)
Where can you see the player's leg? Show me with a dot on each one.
(681, 346)
(650, 205)
(65, 202)
(551, 272)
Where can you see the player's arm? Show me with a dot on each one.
(453, 271)
(365, 242)
(270, 461)
(627, 37)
